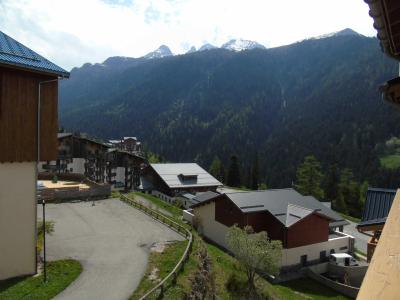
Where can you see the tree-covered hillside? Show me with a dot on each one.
(317, 97)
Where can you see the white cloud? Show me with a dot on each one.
(73, 32)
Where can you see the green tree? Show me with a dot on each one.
(233, 172)
(255, 174)
(331, 182)
(348, 198)
(217, 169)
(363, 194)
(254, 251)
(309, 178)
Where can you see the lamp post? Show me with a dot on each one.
(44, 239)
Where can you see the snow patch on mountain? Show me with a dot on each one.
(240, 45)
(162, 51)
(344, 32)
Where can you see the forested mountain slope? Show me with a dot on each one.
(318, 96)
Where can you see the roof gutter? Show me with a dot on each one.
(38, 120)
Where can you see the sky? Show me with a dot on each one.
(73, 32)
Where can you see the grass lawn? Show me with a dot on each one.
(224, 268)
(390, 161)
(164, 262)
(174, 210)
(60, 274)
(350, 218)
(305, 288)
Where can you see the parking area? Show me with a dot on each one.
(110, 239)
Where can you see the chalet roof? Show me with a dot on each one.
(287, 205)
(171, 174)
(15, 54)
(377, 206)
(61, 135)
(200, 197)
(386, 21)
(123, 152)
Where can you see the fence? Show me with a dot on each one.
(173, 225)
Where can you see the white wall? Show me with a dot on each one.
(292, 256)
(210, 228)
(77, 166)
(17, 219)
(120, 174)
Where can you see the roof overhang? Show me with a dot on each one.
(386, 15)
(391, 92)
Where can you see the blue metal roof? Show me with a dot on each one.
(14, 53)
(377, 206)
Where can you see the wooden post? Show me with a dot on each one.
(174, 278)
(161, 291)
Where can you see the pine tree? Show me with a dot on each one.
(233, 172)
(309, 178)
(332, 182)
(255, 174)
(217, 169)
(348, 199)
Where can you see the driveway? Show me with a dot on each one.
(110, 239)
(361, 239)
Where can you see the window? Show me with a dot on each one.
(303, 260)
(322, 256)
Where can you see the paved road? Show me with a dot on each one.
(361, 239)
(110, 239)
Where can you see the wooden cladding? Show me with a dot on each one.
(18, 116)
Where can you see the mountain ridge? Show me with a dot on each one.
(313, 97)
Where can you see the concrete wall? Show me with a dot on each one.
(355, 274)
(17, 219)
(337, 286)
(292, 256)
(210, 228)
(188, 215)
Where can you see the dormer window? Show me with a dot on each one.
(188, 177)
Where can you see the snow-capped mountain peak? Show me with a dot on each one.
(240, 45)
(162, 51)
(343, 32)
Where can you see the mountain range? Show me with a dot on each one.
(318, 96)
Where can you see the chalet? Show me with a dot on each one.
(123, 169)
(28, 133)
(376, 209)
(79, 154)
(386, 21)
(128, 144)
(383, 275)
(170, 180)
(306, 227)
